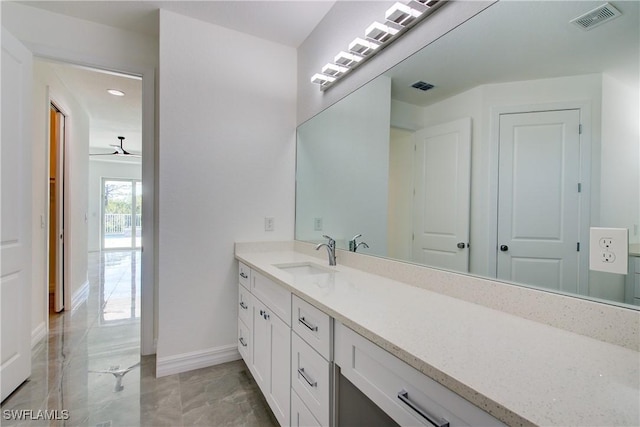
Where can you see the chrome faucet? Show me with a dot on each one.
(331, 249)
(354, 245)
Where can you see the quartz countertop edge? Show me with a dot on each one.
(520, 371)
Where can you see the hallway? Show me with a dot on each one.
(88, 371)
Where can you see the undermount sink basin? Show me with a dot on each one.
(304, 269)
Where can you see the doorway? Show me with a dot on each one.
(539, 222)
(121, 213)
(56, 208)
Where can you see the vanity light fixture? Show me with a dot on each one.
(402, 14)
(347, 59)
(334, 70)
(115, 92)
(322, 79)
(400, 18)
(362, 46)
(380, 32)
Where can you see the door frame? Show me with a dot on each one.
(148, 328)
(65, 262)
(585, 214)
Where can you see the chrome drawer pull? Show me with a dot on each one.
(244, 276)
(241, 339)
(306, 378)
(403, 395)
(307, 324)
(243, 305)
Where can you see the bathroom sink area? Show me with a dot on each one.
(304, 269)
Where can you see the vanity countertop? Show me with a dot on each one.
(520, 371)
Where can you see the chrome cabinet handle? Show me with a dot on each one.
(306, 378)
(243, 305)
(307, 324)
(403, 395)
(244, 276)
(244, 344)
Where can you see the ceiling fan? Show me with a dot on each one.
(120, 151)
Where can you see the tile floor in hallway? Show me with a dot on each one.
(72, 368)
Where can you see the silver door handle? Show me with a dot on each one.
(306, 378)
(243, 305)
(307, 324)
(403, 395)
(461, 245)
(244, 344)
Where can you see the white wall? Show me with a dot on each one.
(56, 36)
(99, 169)
(343, 170)
(227, 147)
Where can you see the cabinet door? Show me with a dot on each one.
(272, 359)
(261, 354)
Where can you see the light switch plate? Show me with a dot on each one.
(609, 250)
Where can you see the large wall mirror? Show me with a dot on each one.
(529, 137)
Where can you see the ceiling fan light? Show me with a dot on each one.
(115, 92)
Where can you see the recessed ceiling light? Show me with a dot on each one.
(115, 92)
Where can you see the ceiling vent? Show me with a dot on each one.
(597, 16)
(424, 86)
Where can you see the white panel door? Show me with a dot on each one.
(442, 173)
(15, 234)
(59, 270)
(538, 199)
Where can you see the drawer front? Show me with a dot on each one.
(244, 305)
(404, 393)
(274, 296)
(301, 416)
(244, 275)
(244, 342)
(310, 378)
(312, 325)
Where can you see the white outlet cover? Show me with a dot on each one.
(609, 250)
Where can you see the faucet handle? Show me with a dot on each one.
(332, 242)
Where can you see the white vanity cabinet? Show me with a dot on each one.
(311, 369)
(405, 394)
(265, 342)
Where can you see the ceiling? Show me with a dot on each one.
(113, 116)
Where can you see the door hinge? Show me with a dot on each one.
(415, 147)
(413, 237)
(579, 187)
(580, 129)
(578, 246)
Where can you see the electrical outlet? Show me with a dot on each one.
(609, 250)
(317, 224)
(269, 223)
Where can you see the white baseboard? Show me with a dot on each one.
(80, 296)
(38, 334)
(195, 360)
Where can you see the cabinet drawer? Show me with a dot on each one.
(244, 305)
(404, 393)
(277, 298)
(310, 378)
(301, 416)
(244, 275)
(312, 325)
(244, 342)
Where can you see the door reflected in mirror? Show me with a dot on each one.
(529, 137)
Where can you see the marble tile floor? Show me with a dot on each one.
(75, 369)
